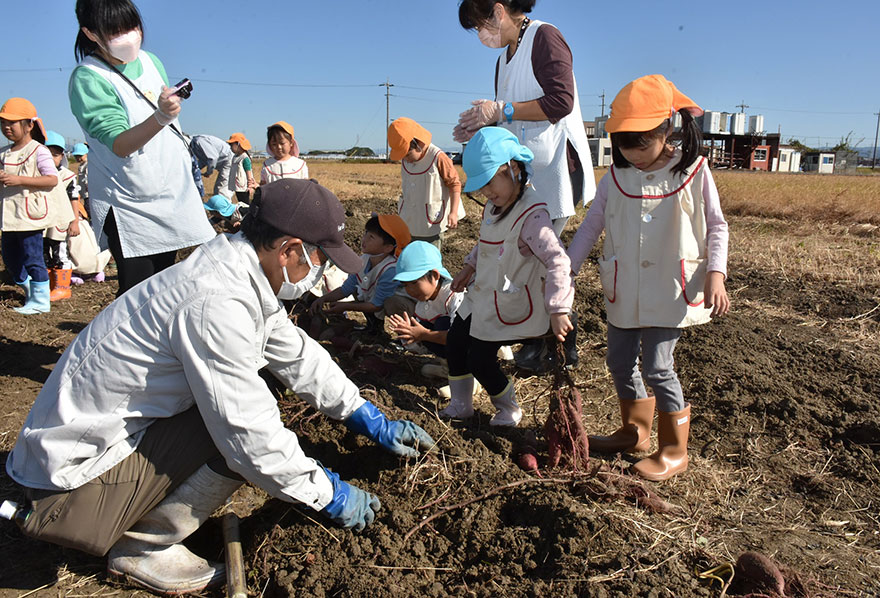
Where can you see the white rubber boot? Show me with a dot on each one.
(150, 553)
(509, 413)
(461, 401)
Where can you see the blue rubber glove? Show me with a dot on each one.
(400, 437)
(351, 507)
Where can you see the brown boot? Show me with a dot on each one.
(672, 440)
(59, 281)
(634, 435)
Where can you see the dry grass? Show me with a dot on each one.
(801, 197)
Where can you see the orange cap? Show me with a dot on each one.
(645, 103)
(401, 132)
(397, 228)
(22, 109)
(241, 139)
(289, 128)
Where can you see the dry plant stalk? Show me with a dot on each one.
(566, 437)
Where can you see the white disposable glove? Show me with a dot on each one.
(483, 112)
(168, 107)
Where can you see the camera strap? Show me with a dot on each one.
(145, 98)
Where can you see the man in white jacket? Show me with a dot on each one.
(156, 414)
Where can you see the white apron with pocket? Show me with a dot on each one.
(60, 209)
(425, 202)
(653, 270)
(23, 209)
(506, 298)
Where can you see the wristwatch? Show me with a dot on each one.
(508, 112)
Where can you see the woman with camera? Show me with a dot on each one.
(145, 204)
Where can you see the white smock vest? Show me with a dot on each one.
(238, 182)
(517, 83)
(151, 192)
(60, 211)
(425, 203)
(292, 168)
(367, 282)
(23, 209)
(444, 305)
(506, 298)
(654, 265)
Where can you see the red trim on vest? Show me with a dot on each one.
(527, 210)
(683, 185)
(378, 276)
(613, 299)
(403, 163)
(283, 174)
(428, 215)
(23, 161)
(498, 313)
(45, 205)
(492, 242)
(684, 290)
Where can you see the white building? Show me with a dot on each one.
(788, 160)
(600, 151)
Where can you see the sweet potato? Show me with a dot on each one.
(757, 574)
(528, 461)
(566, 438)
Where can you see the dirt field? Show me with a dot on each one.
(783, 452)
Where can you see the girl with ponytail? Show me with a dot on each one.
(663, 268)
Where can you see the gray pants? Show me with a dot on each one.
(94, 516)
(656, 346)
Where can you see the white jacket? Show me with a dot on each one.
(194, 334)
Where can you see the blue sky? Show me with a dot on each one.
(809, 69)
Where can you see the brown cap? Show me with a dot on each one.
(304, 209)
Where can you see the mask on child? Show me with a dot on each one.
(294, 290)
(125, 47)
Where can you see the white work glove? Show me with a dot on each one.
(483, 112)
(168, 107)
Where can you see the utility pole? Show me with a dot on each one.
(602, 95)
(387, 85)
(874, 153)
(742, 107)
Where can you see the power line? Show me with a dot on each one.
(267, 84)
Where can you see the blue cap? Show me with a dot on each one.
(487, 151)
(53, 138)
(218, 203)
(80, 149)
(417, 259)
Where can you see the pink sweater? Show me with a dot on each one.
(537, 238)
(594, 224)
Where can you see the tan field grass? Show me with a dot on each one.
(805, 197)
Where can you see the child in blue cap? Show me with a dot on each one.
(517, 260)
(420, 269)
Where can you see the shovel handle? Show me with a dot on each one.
(235, 582)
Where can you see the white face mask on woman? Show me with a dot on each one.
(125, 47)
(294, 290)
(490, 33)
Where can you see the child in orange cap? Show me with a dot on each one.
(27, 176)
(663, 268)
(242, 180)
(285, 162)
(431, 199)
(385, 235)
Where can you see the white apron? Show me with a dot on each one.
(424, 205)
(23, 209)
(506, 298)
(154, 199)
(61, 212)
(517, 83)
(655, 254)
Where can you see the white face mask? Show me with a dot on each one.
(490, 36)
(294, 290)
(125, 47)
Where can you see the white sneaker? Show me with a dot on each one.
(505, 353)
(435, 370)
